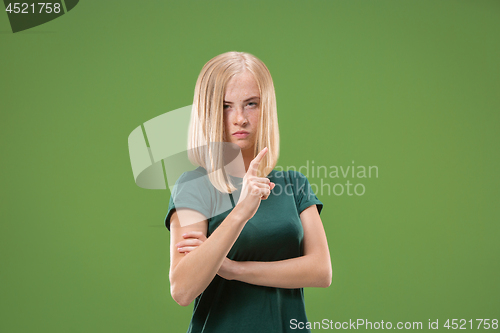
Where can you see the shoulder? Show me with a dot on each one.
(294, 182)
(191, 190)
(294, 174)
(303, 191)
(192, 174)
(194, 183)
(199, 175)
(287, 175)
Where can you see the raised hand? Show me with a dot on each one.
(254, 188)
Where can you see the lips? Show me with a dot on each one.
(241, 134)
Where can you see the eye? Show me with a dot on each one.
(226, 106)
(252, 104)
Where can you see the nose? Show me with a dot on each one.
(240, 117)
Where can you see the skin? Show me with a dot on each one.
(191, 251)
(191, 274)
(242, 113)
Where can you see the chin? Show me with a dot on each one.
(242, 144)
(246, 147)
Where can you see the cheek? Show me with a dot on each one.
(226, 125)
(255, 118)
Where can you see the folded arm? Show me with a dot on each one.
(191, 274)
(313, 269)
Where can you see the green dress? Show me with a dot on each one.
(273, 233)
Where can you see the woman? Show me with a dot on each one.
(244, 268)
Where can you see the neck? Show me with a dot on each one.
(247, 157)
(235, 168)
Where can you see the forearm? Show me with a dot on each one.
(196, 270)
(300, 272)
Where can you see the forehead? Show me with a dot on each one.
(241, 87)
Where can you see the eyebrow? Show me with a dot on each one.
(246, 100)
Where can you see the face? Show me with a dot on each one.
(242, 111)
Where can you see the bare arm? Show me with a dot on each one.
(313, 269)
(191, 274)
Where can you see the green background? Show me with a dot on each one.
(411, 87)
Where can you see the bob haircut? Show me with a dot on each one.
(206, 128)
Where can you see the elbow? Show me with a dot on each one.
(327, 281)
(325, 277)
(321, 276)
(179, 293)
(181, 301)
(179, 297)
(184, 291)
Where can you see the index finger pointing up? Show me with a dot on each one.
(254, 165)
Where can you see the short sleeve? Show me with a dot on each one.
(189, 191)
(304, 195)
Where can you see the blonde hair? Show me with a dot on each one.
(206, 128)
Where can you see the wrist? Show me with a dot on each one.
(239, 214)
(238, 270)
(228, 269)
(234, 269)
